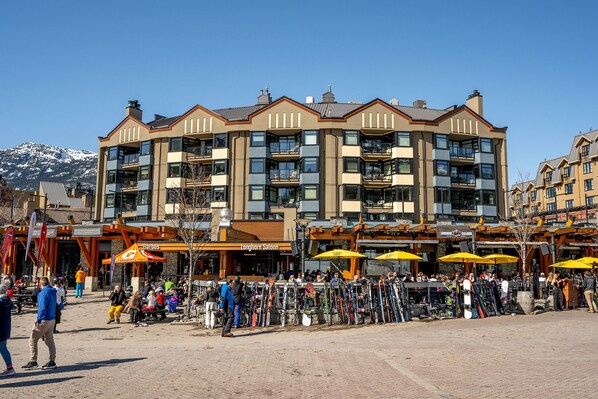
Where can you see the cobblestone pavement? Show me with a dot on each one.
(543, 356)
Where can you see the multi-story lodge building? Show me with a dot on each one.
(379, 161)
(564, 187)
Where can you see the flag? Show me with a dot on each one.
(30, 234)
(9, 236)
(42, 242)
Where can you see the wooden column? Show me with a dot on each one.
(224, 260)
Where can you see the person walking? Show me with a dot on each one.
(60, 300)
(211, 297)
(238, 298)
(589, 287)
(44, 326)
(227, 308)
(5, 309)
(79, 282)
(117, 298)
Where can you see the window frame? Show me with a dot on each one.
(587, 167)
(316, 160)
(398, 141)
(219, 137)
(590, 186)
(358, 192)
(489, 142)
(439, 162)
(313, 187)
(256, 189)
(308, 133)
(253, 136)
(252, 165)
(346, 134)
(400, 191)
(224, 170)
(347, 160)
(400, 161)
(438, 136)
(146, 148)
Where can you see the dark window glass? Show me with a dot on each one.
(144, 197)
(256, 165)
(310, 192)
(145, 172)
(486, 145)
(351, 165)
(174, 169)
(442, 195)
(351, 137)
(441, 141)
(146, 148)
(219, 194)
(588, 184)
(404, 166)
(441, 168)
(587, 167)
(352, 192)
(550, 192)
(111, 177)
(258, 139)
(388, 168)
(489, 197)
(404, 193)
(112, 153)
(310, 165)
(568, 189)
(110, 200)
(567, 172)
(403, 139)
(221, 140)
(487, 171)
(175, 144)
(256, 193)
(220, 167)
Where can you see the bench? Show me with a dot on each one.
(24, 299)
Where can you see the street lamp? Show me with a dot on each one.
(90, 192)
(303, 224)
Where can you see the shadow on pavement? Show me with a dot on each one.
(255, 333)
(75, 367)
(37, 382)
(87, 330)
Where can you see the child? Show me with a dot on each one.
(151, 303)
(161, 302)
(5, 308)
(134, 306)
(173, 300)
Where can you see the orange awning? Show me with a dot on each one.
(134, 255)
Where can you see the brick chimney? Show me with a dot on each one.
(328, 97)
(134, 110)
(475, 102)
(420, 104)
(264, 98)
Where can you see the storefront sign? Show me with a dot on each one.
(50, 232)
(259, 247)
(151, 247)
(453, 231)
(87, 231)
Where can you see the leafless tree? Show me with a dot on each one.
(521, 223)
(7, 199)
(190, 215)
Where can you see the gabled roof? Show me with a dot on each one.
(56, 193)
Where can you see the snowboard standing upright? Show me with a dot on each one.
(467, 299)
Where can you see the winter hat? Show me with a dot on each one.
(3, 289)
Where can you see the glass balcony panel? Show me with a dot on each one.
(376, 147)
(463, 178)
(284, 147)
(460, 152)
(284, 174)
(130, 158)
(200, 151)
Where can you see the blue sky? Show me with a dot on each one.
(68, 68)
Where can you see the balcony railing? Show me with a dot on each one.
(376, 147)
(200, 151)
(284, 148)
(129, 183)
(377, 177)
(467, 205)
(284, 174)
(130, 159)
(463, 178)
(377, 203)
(287, 202)
(458, 152)
(128, 207)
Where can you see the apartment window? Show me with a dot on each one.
(442, 195)
(404, 166)
(219, 194)
(488, 197)
(587, 168)
(310, 215)
(585, 150)
(258, 139)
(590, 201)
(352, 192)
(310, 165)
(403, 139)
(567, 172)
(112, 153)
(486, 146)
(220, 167)
(569, 188)
(534, 210)
(256, 165)
(351, 165)
(174, 169)
(533, 195)
(144, 197)
(256, 193)
(549, 176)
(146, 148)
(310, 192)
(145, 172)
(110, 200)
(588, 184)
(441, 141)
(111, 177)
(441, 168)
(388, 167)
(550, 207)
(404, 193)
(550, 192)
(272, 194)
(351, 137)
(310, 137)
(221, 140)
(569, 204)
(175, 144)
(484, 171)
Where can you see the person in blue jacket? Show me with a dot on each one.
(44, 326)
(5, 308)
(227, 308)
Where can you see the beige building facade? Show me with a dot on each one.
(565, 187)
(284, 159)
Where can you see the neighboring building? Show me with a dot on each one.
(565, 186)
(286, 160)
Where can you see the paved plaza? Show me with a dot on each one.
(543, 356)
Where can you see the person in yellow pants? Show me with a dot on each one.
(117, 299)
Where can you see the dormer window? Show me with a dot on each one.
(549, 176)
(567, 172)
(585, 150)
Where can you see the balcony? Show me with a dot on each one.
(200, 181)
(285, 202)
(377, 179)
(284, 147)
(463, 179)
(376, 148)
(199, 152)
(377, 203)
(129, 185)
(462, 153)
(284, 175)
(130, 160)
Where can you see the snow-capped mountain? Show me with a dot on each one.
(27, 164)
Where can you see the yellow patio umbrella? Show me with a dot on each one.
(571, 264)
(590, 260)
(338, 254)
(399, 255)
(461, 257)
(498, 259)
